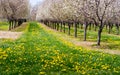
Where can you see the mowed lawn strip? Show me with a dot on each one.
(41, 53)
(108, 41)
(4, 26)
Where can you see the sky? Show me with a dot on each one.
(34, 2)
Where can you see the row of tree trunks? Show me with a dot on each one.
(13, 23)
(62, 25)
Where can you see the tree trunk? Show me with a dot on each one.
(15, 24)
(99, 33)
(81, 26)
(68, 28)
(61, 27)
(118, 31)
(12, 24)
(85, 31)
(99, 37)
(75, 29)
(95, 28)
(57, 26)
(64, 27)
(109, 29)
(95, 24)
(78, 25)
(9, 25)
(90, 26)
(52, 25)
(117, 26)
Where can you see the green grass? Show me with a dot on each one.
(3, 26)
(40, 52)
(20, 28)
(108, 41)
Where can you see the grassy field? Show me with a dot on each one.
(20, 28)
(108, 41)
(40, 52)
(4, 26)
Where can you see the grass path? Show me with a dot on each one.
(40, 51)
(84, 44)
(14, 33)
(108, 41)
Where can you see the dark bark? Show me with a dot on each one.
(99, 33)
(90, 24)
(64, 27)
(12, 24)
(9, 25)
(117, 26)
(61, 27)
(99, 37)
(109, 28)
(81, 26)
(95, 24)
(15, 23)
(75, 29)
(57, 26)
(68, 28)
(78, 25)
(85, 30)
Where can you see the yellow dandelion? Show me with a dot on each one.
(63, 70)
(42, 73)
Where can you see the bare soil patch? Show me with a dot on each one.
(88, 45)
(9, 35)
